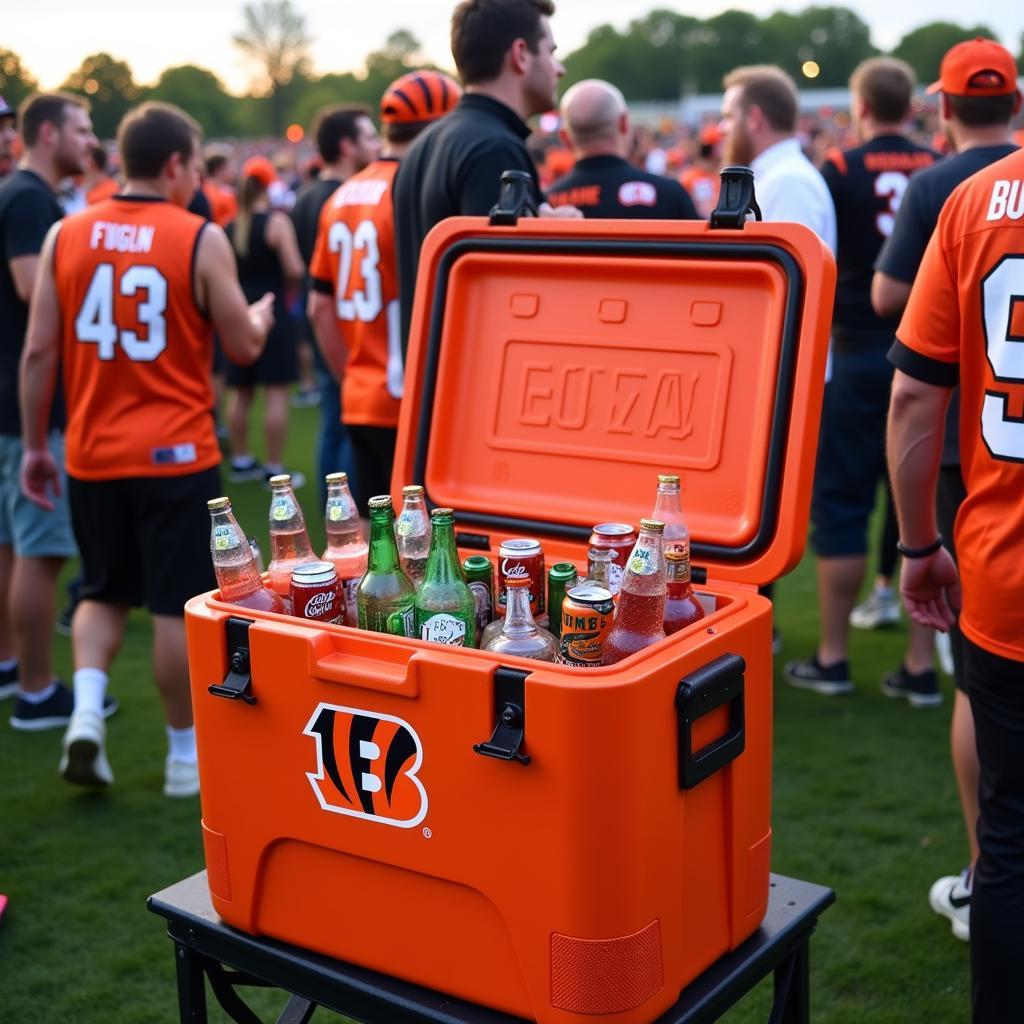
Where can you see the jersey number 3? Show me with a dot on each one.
(95, 320)
(1001, 290)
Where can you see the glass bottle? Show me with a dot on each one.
(681, 604)
(445, 606)
(412, 531)
(234, 564)
(289, 541)
(668, 510)
(641, 614)
(346, 548)
(385, 597)
(520, 635)
(599, 565)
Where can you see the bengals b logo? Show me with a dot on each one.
(366, 766)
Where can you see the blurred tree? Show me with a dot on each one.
(16, 82)
(923, 48)
(834, 38)
(108, 85)
(274, 39)
(200, 93)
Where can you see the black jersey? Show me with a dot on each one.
(867, 185)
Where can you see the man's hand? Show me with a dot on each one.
(261, 313)
(566, 212)
(930, 588)
(39, 474)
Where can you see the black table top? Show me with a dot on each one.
(793, 909)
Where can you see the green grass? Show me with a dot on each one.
(864, 801)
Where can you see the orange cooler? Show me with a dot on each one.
(561, 844)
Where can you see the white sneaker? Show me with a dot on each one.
(84, 761)
(944, 651)
(950, 896)
(181, 778)
(880, 608)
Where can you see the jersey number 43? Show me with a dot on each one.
(95, 321)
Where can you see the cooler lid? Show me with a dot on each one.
(556, 367)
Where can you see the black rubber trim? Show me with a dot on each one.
(317, 284)
(580, 249)
(924, 368)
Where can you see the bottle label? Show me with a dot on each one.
(350, 586)
(444, 629)
(642, 562)
(338, 510)
(282, 508)
(615, 574)
(400, 623)
(404, 525)
(482, 599)
(225, 538)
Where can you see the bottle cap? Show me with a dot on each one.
(652, 525)
(412, 490)
(379, 501)
(441, 512)
(216, 504)
(336, 478)
(281, 480)
(667, 478)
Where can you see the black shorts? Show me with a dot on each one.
(373, 452)
(145, 541)
(851, 452)
(278, 362)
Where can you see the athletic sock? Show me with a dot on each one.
(90, 689)
(9, 665)
(39, 695)
(181, 744)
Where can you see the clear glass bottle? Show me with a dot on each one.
(641, 612)
(385, 597)
(289, 539)
(520, 635)
(681, 604)
(412, 532)
(599, 564)
(667, 509)
(445, 606)
(346, 548)
(234, 563)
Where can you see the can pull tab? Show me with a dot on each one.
(735, 199)
(510, 728)
(237, 683)
(515, 200)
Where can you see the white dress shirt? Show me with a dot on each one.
(789, 187)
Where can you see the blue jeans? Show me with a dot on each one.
(334, 451)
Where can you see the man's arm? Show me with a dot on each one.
(23, 274)
(888, 296)
(917, 417)
(40, 360)
(901, 255)
(329, 339)
(242, 328)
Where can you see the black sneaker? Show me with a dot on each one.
(52, 713)
(8, 682)
(919, 691)
(810, 674)
(241, 470)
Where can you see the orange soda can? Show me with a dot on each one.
(587, 614)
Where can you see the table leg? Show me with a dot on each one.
(191, 985)
(793, 987)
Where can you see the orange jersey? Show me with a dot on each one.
(354, 260)
(223, 204)
(103, 190)
(703, 188)
(136, 349)
(966, 313)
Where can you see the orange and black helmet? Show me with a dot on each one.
(419, 97)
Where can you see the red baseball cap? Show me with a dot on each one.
(261, 168)
(977, 67)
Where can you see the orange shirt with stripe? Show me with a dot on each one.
(354, 260)
(223, 204)
(965, 319)
(136, 349)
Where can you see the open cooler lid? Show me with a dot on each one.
(556, 367)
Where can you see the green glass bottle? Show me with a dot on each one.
(385, 596)
(445, 606)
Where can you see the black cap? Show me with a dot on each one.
(6, 110)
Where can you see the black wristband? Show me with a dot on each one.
(919, 552)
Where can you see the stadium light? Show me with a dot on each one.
(810, 69)
(295, 133)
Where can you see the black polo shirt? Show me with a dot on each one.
(28, 208)
(454, 169)
(608, 186)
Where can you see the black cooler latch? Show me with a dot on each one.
(515, 200)
(717, 683)
(510, 707)
(237, 683)
(735, 199)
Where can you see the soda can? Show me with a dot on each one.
(316, 592)
(561, 578)
(479, 575)
(620, 539)
(522, 558)
(587, 614)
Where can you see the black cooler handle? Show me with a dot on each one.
(735, 199)
(717, 683)
(515, 200)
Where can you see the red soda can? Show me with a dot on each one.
(522, 558)
(316, 592)
(620, 538)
